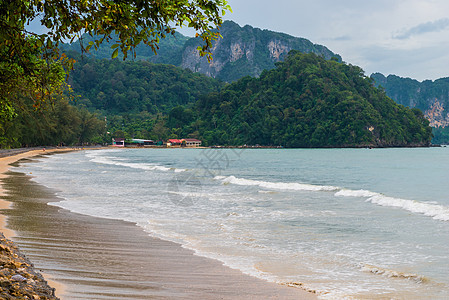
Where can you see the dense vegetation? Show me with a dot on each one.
(59, 123)
(308, 101)
(137, 97)
(117, 87)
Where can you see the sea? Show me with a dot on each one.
(345, 223)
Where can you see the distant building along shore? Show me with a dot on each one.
(121, 142)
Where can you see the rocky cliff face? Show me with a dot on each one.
(437, 115)
(246, 51)
(432, 97)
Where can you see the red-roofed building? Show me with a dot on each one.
(174, 142)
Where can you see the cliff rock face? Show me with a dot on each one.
(432, 97)
(246, 51)
(437, 115)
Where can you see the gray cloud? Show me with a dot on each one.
(435, 26)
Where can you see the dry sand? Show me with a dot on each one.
(95, 258)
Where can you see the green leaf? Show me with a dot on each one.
(115, 46)
(115, 53)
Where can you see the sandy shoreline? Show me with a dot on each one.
(94, 258)
(4, 167)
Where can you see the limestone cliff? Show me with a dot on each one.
(437, 115)
(246, 51)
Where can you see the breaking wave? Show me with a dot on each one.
(143, 166)
(436, 211)
(275, 185)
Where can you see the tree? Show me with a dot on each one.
(31, 65)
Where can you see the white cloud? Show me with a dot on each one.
(403, 37)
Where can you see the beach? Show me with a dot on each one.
(96, 258)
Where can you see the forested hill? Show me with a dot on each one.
(117, 87)
(308, 101)
(241, 52)
(432, 97)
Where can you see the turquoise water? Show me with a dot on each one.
(347, 223)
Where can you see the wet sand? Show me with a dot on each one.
(95, 258)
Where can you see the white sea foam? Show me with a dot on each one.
(436, 211)
(120, 162)
(354, 193)
(275, 185)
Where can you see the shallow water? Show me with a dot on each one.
(345, 222)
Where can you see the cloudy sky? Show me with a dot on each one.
(409, 38)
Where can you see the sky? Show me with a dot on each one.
(408, 38)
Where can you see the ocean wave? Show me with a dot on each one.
(107, 160)
(275, 185)
(355, 193)
(436, 211)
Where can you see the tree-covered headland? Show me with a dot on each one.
(307, 101)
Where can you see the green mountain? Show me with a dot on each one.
(308, 101)
(240, 52)
(432, 97)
